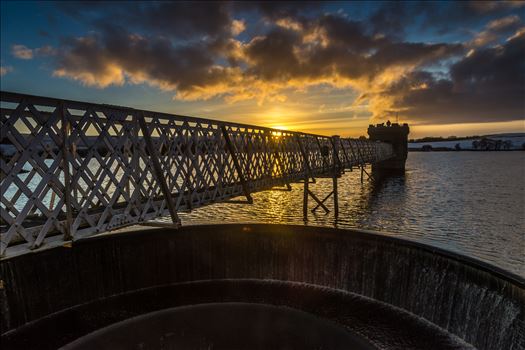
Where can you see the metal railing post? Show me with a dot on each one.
(158, 170)
(236, 164)
(335, 160)
(66, 129)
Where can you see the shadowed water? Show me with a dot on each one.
(467, 202)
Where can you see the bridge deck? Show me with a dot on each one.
(76, 169)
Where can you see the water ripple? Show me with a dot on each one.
(467, 202)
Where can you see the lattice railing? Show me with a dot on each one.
(73, 169)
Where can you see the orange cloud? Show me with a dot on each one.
(381, 74)
(494, 29)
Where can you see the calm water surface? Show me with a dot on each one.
(467, 202)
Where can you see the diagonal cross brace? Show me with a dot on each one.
(157, 170)
(66, 129)
(236, 164)
(308, 170)
(320, 203)
(280, 163)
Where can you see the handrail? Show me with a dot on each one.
(106, 175)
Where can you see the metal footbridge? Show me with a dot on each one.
(73, 169)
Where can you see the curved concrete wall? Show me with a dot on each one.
(478, 303)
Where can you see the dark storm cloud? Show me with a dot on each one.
(414, 53)
(393, 18)
(495, 6)
(390, 19)
(345, 32)
(116, 54)
(262, 54)
(487, 85)
(182, 20)
(344, 49)
(274, 10)
(172, 45)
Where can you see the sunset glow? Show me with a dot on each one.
(327, 67)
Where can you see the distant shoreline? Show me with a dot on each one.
(494, 143)
(462, 150)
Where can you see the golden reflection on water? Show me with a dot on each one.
(468, 202)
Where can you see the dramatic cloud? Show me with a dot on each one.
(494, 29)
(177, 19)
(117, 57)
(264, 51)
(331, 49)
(393, 18)
(488, 84)
(274, 10)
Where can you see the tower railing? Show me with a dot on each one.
(73, 169)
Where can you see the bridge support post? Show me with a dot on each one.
(397, 136)
(336, 170)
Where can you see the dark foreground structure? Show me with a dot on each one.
(257, 287)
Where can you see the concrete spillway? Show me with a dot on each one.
(350, 286)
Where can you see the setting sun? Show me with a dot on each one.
(280, 127)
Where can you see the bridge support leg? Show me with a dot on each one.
(335, 172)
(320, 203)
(363, 171)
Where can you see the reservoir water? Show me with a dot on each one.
(472, 203)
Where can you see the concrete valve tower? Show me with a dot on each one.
(397, 135)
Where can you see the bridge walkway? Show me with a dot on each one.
(73, 169)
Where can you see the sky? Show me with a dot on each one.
(331, 68)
